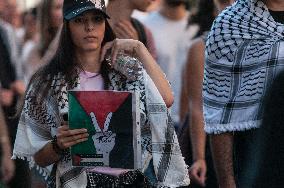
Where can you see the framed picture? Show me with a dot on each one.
(112, 119)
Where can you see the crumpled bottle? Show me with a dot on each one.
(129, 66)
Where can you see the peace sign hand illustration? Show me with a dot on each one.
(104, 140)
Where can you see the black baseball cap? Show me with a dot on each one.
(73, 8)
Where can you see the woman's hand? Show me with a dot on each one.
(112, 49)
(137, 49)
(65, 139)
(68, 137)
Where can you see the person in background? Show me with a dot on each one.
(12, 14)
(142, 15)
(203, 18)
(29, 27)
(201, 170)
(29, 39)
(40, 48)
(172, 37)
(127, 27)
(49, 21)
(88, 49)
(7, 164)
(8, 100)
(11, 42)
(11, 90)
(244, 53)
(265, 165)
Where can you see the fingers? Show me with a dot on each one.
(202, 176)
(68, 137)
(114, 50)
(194, 176)
(118, 46)
(72, 140)
(197, 172)
(107, 122)
(105, 49)
(123, 46)
(95, 123)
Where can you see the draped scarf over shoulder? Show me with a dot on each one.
(244, 52)
(39, 123)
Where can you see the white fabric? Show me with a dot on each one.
(34, 133)
(172, 40)
(244, 53)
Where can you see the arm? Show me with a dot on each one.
(7, 164)
(194, 71)
(156, 73)
(184, 103)
(134, 47)
(65, 139)
(222, 154)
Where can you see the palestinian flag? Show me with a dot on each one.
(113, 125)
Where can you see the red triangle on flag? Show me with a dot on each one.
(101, 103)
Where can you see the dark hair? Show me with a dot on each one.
(64, 63)
(204, 16)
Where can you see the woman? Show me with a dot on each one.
(86, 40)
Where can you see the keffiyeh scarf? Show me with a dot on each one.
(244, 53)
(39, 123)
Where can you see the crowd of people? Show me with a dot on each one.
(210, 90)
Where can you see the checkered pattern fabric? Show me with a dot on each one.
(244, 52)
(39, 122)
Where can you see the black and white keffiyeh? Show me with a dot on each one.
(39, 123)
(244, 53)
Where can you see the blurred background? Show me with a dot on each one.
(27, 4)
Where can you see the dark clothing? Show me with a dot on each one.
(139, 27)
(278, 16)
(241, 148)
(7, 71)
(265, 164)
